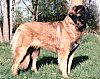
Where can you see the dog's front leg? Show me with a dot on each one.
(70, 62)
(62, 62)
(71, 55)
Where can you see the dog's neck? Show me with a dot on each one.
(71, 27)
(68, 22)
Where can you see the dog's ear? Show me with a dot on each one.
(72, 11)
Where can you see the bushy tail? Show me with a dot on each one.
(17, 42)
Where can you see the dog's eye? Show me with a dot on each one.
(78, 15)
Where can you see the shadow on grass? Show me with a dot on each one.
(77, 60)
(51, 60)
(46, 60)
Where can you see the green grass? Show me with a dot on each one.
(86, 63)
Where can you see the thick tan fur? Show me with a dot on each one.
(58, 37)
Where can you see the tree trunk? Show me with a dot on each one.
(12, 2)
(5, 21)
(35, 10)
(1, 38)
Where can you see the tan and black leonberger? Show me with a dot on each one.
(61, 37)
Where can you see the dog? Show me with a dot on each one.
(62, 37)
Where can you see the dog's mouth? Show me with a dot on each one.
(81, 22)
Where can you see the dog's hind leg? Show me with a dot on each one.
(35, 55)
(18, 57)
(27, 59)
(25, 62)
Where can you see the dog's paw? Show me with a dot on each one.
(34, 70)
(65, 76)
(14, 71)
(23, 66)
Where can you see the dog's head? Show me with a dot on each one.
(79, 14)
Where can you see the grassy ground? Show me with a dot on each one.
(86, 63)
